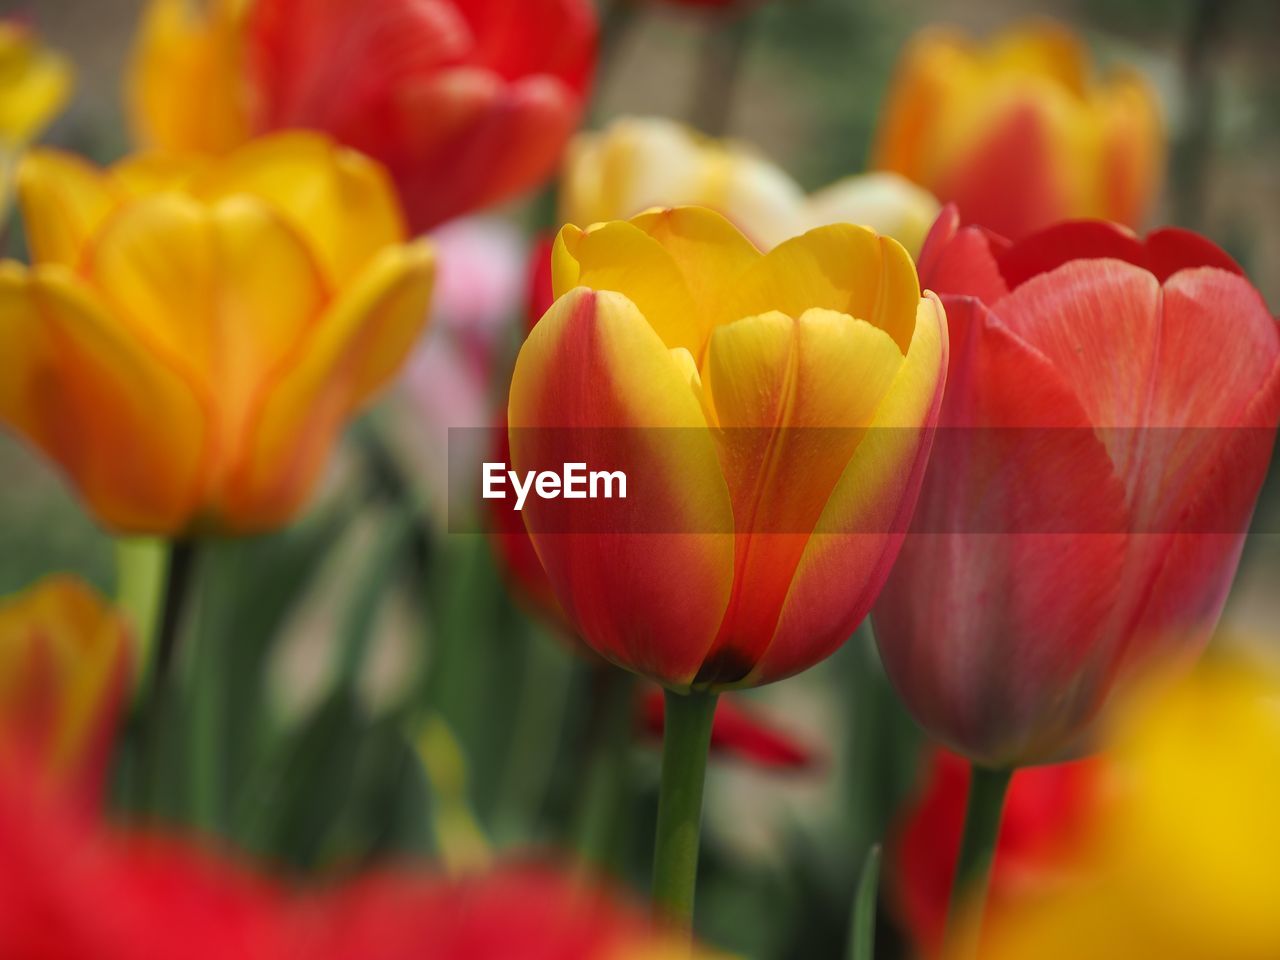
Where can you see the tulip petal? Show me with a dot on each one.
(128, 429)
(615, 397)
(224, 293)
(838, 267)
(339, 200)
(37, 83)
(857, 536)
(1018, 533)
(354, 350)
(64, 200)
(793, 399)
(620, 257)
(962, 261)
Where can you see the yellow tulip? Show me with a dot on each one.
(1018, 133)
(63, 671)
(748, 398)
(192, 336)
(1182, 861)
(642, 162)
(35, 83)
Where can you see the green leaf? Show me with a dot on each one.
(862, 935)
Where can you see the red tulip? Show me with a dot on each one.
(1141, 380)
(72, 889)
(466, 102)
(1046, 813)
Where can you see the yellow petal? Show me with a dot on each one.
(793, 398)
(224, 292)
(619, 256)
(594, 371)
(854, 541)
(840, 267)
(64, 200)
(356, 348)
(35, 83)
(339, 200)
(186, 88)
(127, 430)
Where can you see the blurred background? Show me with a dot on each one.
(775, 882)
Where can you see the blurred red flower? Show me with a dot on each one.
(1046, 813)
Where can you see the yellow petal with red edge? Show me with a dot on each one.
(645, 579)
(620, 257)
(793, 399)
(858, 535)
(35, 83)
(341, 201)
(127, 430)
(187, 88)
(839, 267)
(64, 201)
(224, 292)
(353, 351)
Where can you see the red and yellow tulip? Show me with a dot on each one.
(465, 103)
(64, 663)
(1018, 133)
(192, 336)
(747, 397)
(1096, 468)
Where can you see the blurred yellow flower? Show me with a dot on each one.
(35, 83)
(63, 669)
(186, 87)
(1018, 133)
(641, 162)
(193, 335)
(1184, 862)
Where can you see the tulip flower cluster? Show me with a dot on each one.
(958, 455)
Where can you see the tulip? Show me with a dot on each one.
(1046, 816)
(466, 103)
(1086, 503)
(641, 162)
(34, 85)
(672, 343)
(751, 544)
(1180, 862)
(64, 665)
(1018, 133)
(192, 336)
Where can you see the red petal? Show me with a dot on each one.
(962, 261)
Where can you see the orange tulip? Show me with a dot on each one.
(741, 394)
(63, 672)
(34, 84)
(1018, 134)
(192, 336)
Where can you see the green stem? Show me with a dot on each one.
(209, 686)
(987, 790)
(142, 579)
(685, 741)
(611, 735)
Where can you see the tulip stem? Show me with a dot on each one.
(987, 790)
(685, 741)
(177, 586)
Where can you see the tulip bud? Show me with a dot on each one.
(1092, 483)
